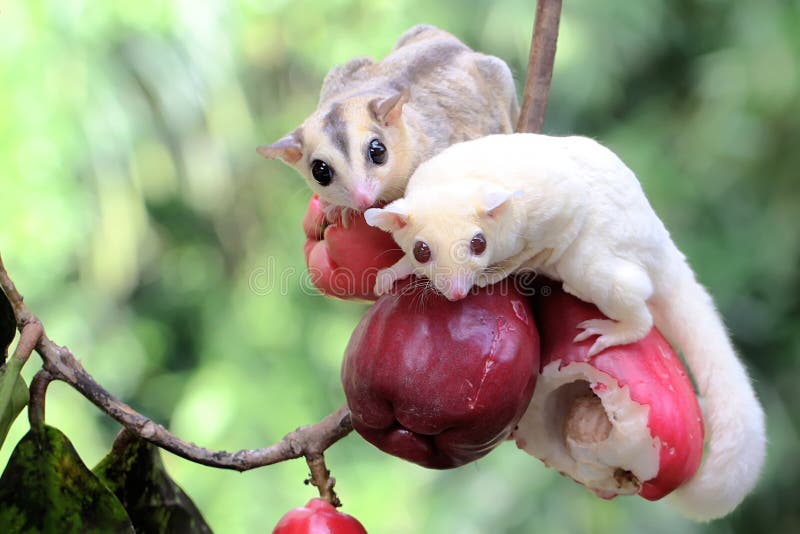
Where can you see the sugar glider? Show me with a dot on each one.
(377, 121)
(568, 208)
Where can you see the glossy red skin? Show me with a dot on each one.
(318, 517)
(343, 262)
(441, 383)
(650, 368)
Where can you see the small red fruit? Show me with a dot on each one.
(626, 421)
(441, 383)
(318, 517)
(344, 261)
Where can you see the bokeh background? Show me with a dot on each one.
(142, 226)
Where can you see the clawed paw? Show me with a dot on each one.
(384, 282)
(609, 331)
(337, 214)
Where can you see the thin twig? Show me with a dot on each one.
(20, 311)
(30, 335)
(61, 364)
(321, 478)
(540, 66)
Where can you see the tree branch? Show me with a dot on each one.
(61, 364)
(540, 66)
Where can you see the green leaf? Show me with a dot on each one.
(47, 488)
(133, 470)
(13, 395)
(8, 325)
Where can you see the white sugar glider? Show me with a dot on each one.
(568, 208)
(377, 121)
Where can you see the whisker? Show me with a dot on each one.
(430, 291)
(411, 287)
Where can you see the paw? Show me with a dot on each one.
(487, 279)
(333, 214)
(384, 282)
(347, 215)
(610, 332)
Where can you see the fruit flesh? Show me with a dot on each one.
(656, 439)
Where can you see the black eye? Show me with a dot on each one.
(377, 152)
(322, 172)
(478, 244)
(422, 252)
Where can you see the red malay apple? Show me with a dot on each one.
(626, 421)
(441, 383)
(344, 261)
(318, 517)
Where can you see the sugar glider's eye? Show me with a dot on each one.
(478, 244)
(377, 152)
(322, 172)
(422, 252)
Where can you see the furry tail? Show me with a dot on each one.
(734, 418)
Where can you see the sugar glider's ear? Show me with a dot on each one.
(496, 201)
(390, 218)
(387, 111)
(289, 149)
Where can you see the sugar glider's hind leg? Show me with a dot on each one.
(499, 82)
(620, 289)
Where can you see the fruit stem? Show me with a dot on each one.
(322, 479)
(38, 391)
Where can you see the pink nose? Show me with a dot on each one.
(362, 199)
(457, 294)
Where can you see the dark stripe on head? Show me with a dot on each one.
(335, 127)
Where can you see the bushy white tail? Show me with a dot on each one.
(733, 416)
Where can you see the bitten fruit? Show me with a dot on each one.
(441, 383)
(626, 421)
(318, 517)
(344, 261)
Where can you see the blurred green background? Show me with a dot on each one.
(139, 222)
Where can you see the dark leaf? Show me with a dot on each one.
(8, 325)
(133, 470)
(47, 488)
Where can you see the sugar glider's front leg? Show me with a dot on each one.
(337, 214)
(387, 277)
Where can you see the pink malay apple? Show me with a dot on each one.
(624, 422)
(441, 383)
(318, 517)
(344, 261)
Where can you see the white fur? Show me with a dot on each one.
(584, 219)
